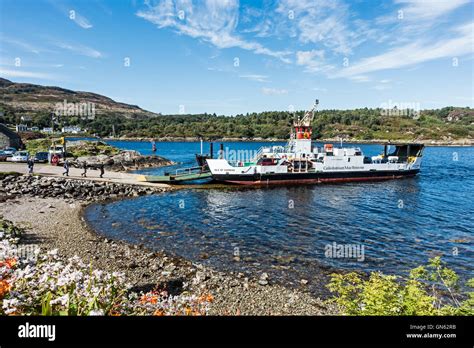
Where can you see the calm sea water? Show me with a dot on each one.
(285, 231)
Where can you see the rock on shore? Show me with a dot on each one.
(12, 186)
(124, 161)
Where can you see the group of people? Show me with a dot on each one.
(84, 168)
(31, 163)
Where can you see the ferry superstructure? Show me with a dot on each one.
(301, 161)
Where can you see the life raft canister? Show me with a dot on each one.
(55, 160)
(328, 147)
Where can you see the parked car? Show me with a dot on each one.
(41, 157)
(20, 156)
(9, 151)
(3, 156)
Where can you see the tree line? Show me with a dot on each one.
(364, 123)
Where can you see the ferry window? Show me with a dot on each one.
(348, 159)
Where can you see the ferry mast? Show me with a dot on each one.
(302, 126)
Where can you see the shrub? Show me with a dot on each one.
(429, 290)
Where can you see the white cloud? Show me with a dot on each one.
(320, 89)
(324, 22)
(416, 52)
(382, 87)
(258, 78)
(415, 10)
(212, 21)
(359, 78)
(81, 21)
(79, 49)
(22, 73)
(71, 13)
(21, 44)
(273, 91)
(417, 18)
(313, 60)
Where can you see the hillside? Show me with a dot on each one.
(448, 125)
(24, 99)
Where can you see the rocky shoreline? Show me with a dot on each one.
(51, 211)
(126, 160)
(14, 185)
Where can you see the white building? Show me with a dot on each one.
(21, 127)
(71, 129)
(47, 130)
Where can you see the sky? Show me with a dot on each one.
(229, 57)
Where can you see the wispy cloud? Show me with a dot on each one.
(323, 22)
(421, 10)
(27, 74)
(258, 78)
(313, 61)
(79, 49)
(72, 13)
(212, 21)
(273, 91)
(417, 52)
(20, 44)
(80, 20)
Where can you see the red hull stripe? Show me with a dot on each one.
(317, 181)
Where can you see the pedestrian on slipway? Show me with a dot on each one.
(84, 166)
(102, 171)
(30, 162)
(66, 167)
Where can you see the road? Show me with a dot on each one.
(75, 173)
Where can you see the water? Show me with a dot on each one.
(285, 231)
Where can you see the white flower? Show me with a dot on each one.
(61, 300)
(96, 312)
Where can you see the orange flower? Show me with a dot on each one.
(206, 298)
(153, 299)
(4, 288)
(10, 262)
(159, 313)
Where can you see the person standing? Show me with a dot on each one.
(30, 162)
(102, 171)
(84, 166)
(66, 167)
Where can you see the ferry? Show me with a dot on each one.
(301, 161)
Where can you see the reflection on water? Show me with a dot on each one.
(285, 230)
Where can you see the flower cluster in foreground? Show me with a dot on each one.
(47, 285)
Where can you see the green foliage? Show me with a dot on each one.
(38, 145)
(429, 290)
(363, 124)
(92, 148)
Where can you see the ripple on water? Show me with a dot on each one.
(285, 230)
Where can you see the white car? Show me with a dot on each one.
(20, 156)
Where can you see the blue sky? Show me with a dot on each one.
(230, 57)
